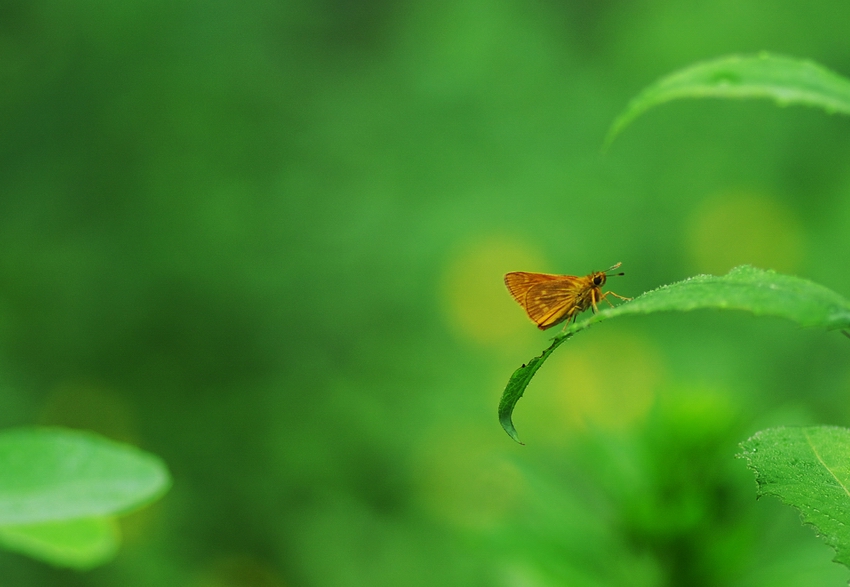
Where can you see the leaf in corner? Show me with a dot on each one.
(809, 469)
(77, 544)
(55, 474)
(784, 79)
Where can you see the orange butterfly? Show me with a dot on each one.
(551, 299)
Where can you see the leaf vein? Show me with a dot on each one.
(825, 466)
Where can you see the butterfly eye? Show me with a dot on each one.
(597, 280)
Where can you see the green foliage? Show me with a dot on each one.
(808, 468)
(234, 235)
(58, 489)
(784, 79)
(764, 293)
(517, 384)
(80, 544)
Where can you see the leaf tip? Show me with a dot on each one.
(507, 423)
(509, 428)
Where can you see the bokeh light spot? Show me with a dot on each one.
(476, 302)
(735, 228)
(464, 478)
(608, 381)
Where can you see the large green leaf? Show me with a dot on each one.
(808, 468)
(743, 288)
(786, 80)
(52, 474)
(80, 544)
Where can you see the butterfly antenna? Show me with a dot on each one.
(612, 268)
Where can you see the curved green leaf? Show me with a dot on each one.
(51, 474)
(808, 468)
(79, 544)
(786, 80)
(764, 293)
(516, 387)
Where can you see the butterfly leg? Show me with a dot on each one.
(571, 318)
(616, 295)
(593, 300)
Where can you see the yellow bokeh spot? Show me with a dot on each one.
(466, 478)
(607, 381)
(475, 300)
(735, 228)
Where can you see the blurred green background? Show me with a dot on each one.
(266, 241)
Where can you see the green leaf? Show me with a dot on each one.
(764, 293)
(51, 474)
(516, 387)
(808, 468)
(786, 80)
(79, 544)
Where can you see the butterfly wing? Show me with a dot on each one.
(519, 282)
(547, 299)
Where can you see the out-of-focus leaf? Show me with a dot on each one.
(79, 544)
(786, 80)
(808, 468)
(764, 293)
(52, 474)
